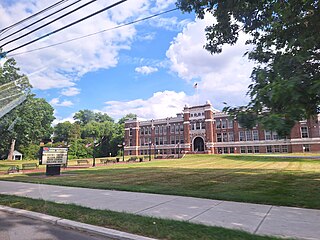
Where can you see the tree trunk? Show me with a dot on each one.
(13, 143)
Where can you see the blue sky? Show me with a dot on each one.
(147, 68)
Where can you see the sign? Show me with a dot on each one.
(53, 156)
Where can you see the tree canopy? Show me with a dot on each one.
(286, 47)
(29, 122)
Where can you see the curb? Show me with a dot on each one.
(101, 231)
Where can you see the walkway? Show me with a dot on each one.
(254, 218)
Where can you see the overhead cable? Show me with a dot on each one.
(60, 29)
(32, 16)
(95, 33)
(54, 20)
(41, 19)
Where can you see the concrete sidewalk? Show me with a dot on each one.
(254, 218)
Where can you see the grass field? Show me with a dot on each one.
(244, 178)
(147, 226)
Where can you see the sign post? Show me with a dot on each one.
(53, 158)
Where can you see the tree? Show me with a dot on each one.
(127, 117)
(62, 131)
(27, 123)
(83, 117)
(285, 35)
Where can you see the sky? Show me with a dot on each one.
(148, 68)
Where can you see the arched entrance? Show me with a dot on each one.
(198, 144)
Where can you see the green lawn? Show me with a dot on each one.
(244, 178)
(147, 226)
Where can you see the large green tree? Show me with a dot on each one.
(286, 47)
(29, 122)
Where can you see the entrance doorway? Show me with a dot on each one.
(198, 144)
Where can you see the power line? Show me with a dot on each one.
(54, 20)
(32, 16)
(40, 20)
(95, 33)
(60, 29)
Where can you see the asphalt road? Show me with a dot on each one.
(21, 228)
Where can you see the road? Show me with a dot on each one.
(21, 228)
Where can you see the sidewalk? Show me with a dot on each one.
(254, 218)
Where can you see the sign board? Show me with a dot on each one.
(53, 156)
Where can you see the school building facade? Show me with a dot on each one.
(202, 129)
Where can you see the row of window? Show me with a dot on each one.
(197, 114)
(198, 125)
(224, 123)
(162, 140)
(255, 149)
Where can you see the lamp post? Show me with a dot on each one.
(123, 144)
(150, 151)
(178, 150)
(94, 153)
(154, 151)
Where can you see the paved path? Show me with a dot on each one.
(14, 227)
(254, 218)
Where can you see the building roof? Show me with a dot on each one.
(15, 152)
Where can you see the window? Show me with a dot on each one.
(142, 131)
(203, 125)
(177, 139)
(304, 132)
(165, 140)
(224, 137)
(177, 128)
(164, 130)
(224, 123)
(284, 148)
(157, 130)
(149, 130)
(241, 136)
(219, 150)
(267, 135)
(225, 150)
(192, 126)
(249, 149)
(172, 128)
(256, 149)
(219, 139)
(276, 148)
(248, 135)
(231, 136)
(243, 149)
(255, 134)
(275, 136)
(181, 128)
(191, 114)
(306, 148)
(197, 125)
(160, 140)
(130, 142)
(161, 130)
(181, 139)
(172, 139)
(218, 124)
(230, 123)
(269, 149)
(157, 142)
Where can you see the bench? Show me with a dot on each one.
(132, 159)
(170, 156)
(85, 161)
(106, 161)
(13, 169)
(26, 166)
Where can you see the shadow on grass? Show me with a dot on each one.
(255, 185)
(284, 158)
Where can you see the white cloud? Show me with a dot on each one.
(221, 77)
(146, 70)
(67, 63)
(160, 105)
(70, 91)
(60, 119)
(57, 103)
